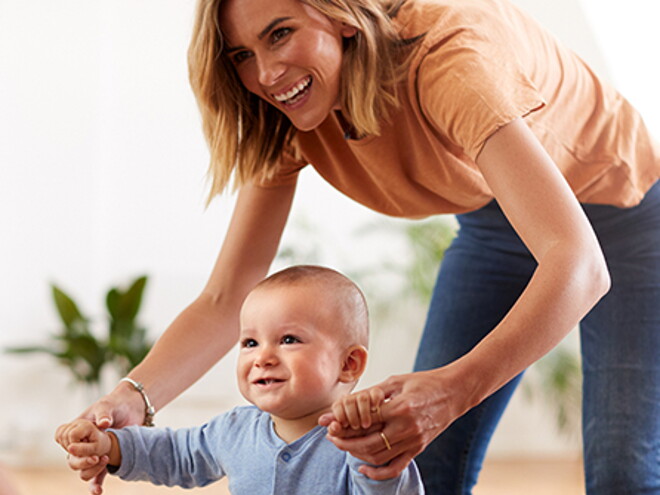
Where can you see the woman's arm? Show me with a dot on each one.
(570, 278)
(571, 275)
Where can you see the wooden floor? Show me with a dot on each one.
(499, 477)
(526, 477)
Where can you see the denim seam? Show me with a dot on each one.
(467, 451)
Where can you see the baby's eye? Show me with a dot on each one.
(249, 343)
(290, 339)
(279, 33)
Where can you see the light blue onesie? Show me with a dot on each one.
(242, 445)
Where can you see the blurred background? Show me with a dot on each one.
(103, 181)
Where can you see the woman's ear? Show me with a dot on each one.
(348, 31)
(354, 363)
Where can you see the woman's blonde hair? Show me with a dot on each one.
(247, 135)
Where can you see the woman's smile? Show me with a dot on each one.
(296, 93)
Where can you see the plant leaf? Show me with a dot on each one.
(129, 302)
(66, 308)
(112, 302)
(129, 341)
(32, 349)
(93, 353)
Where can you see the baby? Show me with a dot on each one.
(303, 339)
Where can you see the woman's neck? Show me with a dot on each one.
(347, 128)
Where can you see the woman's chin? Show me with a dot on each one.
(306, 125)
(307, 121)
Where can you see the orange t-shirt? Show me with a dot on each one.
(480, 65)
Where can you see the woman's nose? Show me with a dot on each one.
(270, 69)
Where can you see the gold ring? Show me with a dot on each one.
(385, 440)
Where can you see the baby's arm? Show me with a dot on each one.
(359, 410)
(84, 439)
(409, 482)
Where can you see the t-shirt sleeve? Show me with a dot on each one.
(471, 82)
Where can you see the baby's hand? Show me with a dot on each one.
(84, 440)
(360, 410)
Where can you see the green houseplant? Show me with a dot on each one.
(84, 354)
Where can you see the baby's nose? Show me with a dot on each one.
(267, 357)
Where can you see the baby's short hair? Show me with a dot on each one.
(347, 295)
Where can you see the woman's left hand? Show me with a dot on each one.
(420, 406)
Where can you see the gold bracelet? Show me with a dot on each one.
(150, 410)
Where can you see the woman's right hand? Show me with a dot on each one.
(124, 406)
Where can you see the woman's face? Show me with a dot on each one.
(287, 53)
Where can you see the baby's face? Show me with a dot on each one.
(290, 355)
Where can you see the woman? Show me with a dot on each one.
(421, 107)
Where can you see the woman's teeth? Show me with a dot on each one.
(291, 96)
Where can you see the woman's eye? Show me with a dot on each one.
(279, 33)
(240, 57)
(249, 343)
(290, 339)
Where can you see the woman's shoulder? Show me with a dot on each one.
(465, 38)
(468, 74)
(434, 17)
(465, 23)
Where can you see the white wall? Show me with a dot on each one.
(103, 167)
(628, 33)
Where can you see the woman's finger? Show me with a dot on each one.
(374, 448)
(392, 469)
(85, 449)
(80, 463)
(91, 472)
(370, 448)
(101, 413)
(392, 386)
(103, 417)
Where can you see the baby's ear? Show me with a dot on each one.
(353, 364)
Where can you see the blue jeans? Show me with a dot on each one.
(483, 273)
